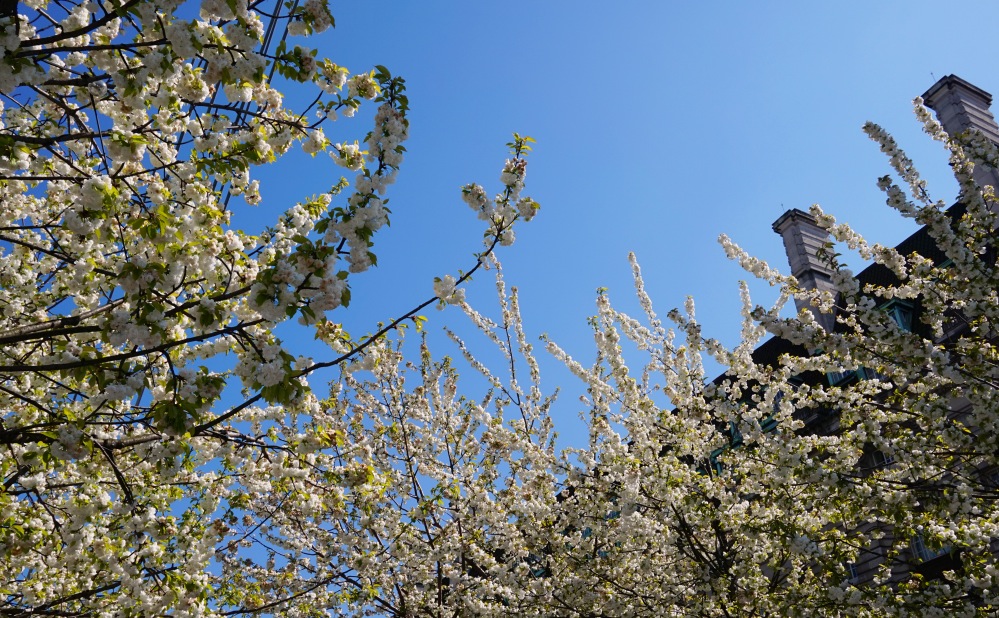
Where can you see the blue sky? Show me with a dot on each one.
(660, 125)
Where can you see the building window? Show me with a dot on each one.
(882, 459)
(900, 313)
(866, 373)
(922, 553)
(840, 378)
(852, 572)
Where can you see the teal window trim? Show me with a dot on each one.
(901, 312)
(882, 459)
(851, 571)
(922, 553)
(767, 424)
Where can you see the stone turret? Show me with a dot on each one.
(803, 241)
(960, 107)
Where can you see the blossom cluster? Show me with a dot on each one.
(139, 477)
(776, 488)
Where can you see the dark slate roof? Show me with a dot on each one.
(769, 352)
(920, 243)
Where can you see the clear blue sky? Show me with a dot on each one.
(660, 125)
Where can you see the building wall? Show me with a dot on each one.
(961, 108)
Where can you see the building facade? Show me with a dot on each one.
(960, 107)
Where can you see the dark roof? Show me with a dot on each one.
(772, 349)
(920, 243)
(769, 352)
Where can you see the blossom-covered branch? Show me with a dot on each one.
(156, 436)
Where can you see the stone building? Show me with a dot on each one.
(959, 107)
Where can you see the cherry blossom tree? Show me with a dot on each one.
(766, 491)
(758, 493)
(163, 451)
(161, 448)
